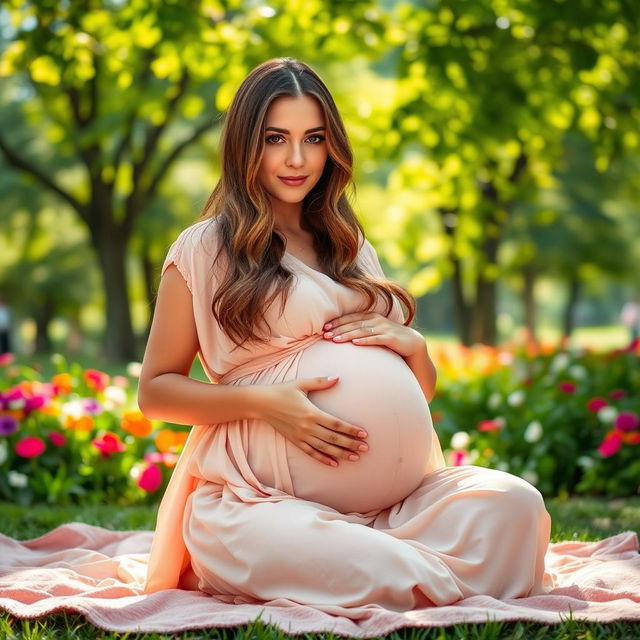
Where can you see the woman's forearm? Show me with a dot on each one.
(179, 399)
(424, 370)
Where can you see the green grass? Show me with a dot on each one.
(575, 518)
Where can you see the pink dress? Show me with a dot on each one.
(249, 517)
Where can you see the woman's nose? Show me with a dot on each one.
(295, 156)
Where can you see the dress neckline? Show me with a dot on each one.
(304, 264)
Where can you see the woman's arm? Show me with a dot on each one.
(165, 391)
(424, 370)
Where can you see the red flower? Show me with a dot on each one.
(596, 403)
(109, 444)
(96, 379)
(150, 479)
(616, 394)
(527, 382)
(567, 386)
(30, 447)
(626, 421)
(611, 443)
(57, 438)
(490, 425)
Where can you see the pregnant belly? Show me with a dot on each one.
(377, 391)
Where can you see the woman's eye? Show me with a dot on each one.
(270, 139)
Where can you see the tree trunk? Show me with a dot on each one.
(569, 311)
(43, 317)
(529, 303)
(119, 337)
(149, 288)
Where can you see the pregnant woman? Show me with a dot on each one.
(313, 472)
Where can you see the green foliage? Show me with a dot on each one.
(550, 418)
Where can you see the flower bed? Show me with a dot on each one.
(566, 421)
(80, 437)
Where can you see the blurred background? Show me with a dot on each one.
(497, 156)
(497, 172)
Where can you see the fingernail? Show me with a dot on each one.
(354, 457)
(362, 434)
(363, 447)
(328, 325)
(328, 334)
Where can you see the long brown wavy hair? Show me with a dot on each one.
(253, 246)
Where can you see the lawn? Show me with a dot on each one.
(573, 518)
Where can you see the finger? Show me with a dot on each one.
(351, 317)
(335, 424)
(335, 439)
(317, 455)
(356, 332)
(336, 452)
(372, 339)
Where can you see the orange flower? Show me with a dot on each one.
(50, 410)
(83, 423)
(136, 423)
(63, 383)
(18, 414)
(168, 440)
(95, 379)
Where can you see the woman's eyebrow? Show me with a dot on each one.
(287, 131)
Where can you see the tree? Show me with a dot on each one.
(486, 94)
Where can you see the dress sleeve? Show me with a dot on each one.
(179, 254)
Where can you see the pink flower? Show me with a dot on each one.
(30, 447)
(120, 381)
(567, 386)
(456, 458)
(490, 425)
(610, 444)
(596, 403)
(626, 421)
(57, 438)
(616, 394)
(6, 358)
(150, 479)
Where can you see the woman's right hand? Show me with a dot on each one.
(319, 434)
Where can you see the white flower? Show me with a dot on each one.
(3, 451)
(136, 470)
(17, 404)
(73, 408)
(533, 432)
(500, 421)
(578, 372)
(115, 395)
(516, 398)
(494, 401)
(530, 476)
(502, 466)
(561, 361)
(586, 462)
(17, 479)
(505, 357)
(133, 369)
(460, 440)
(607, 414)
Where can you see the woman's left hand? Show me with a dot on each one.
(374, 329)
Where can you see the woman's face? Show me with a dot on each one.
(294, 146)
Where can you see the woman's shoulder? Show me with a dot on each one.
(201, 236)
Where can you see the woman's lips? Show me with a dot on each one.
(293, 183)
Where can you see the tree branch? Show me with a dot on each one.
(27, 167)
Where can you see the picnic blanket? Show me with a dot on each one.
(100, 574)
